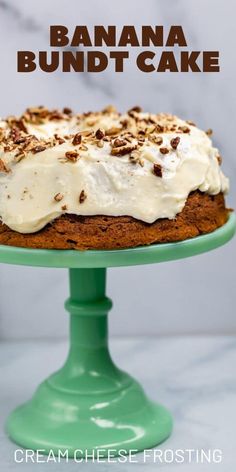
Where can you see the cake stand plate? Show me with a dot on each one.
(90, 406)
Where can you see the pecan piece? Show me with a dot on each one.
(136, 109)
(99, 133)
(164, 150)
(3, 167)
(72, 155)
(118, 142)
(157, 140)
(159, 128)
(67, 111)
(82, 196)
(38, 148)
(122, 150)
(112, 131)
(77, 139)
(209, 132)
(15, 134)
(184, 129)
(175, 142)
(59, 139)
(157, 170)
(58, 197)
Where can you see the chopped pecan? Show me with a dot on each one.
(119, 142)
(72, 155)
(20, 124)
(77, 139)
(99, 133)
(56, 115)
(20, 140)
(122, 150)
(209, 132)
(159, 128)
(137, 109)
(38, 148)
(164, 150)
(157, 170)
(67, 111)
(58, 197)
(174, 142)
(112, 131)
(15, 134)
(134, 157)
(82, 196)
(100, 143)
(184, 129)
(3, 167)
(59, 139)
(109, 109)
(157, 140)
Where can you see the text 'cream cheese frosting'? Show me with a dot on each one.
(136, 164)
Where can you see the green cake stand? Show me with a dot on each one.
(91, 405)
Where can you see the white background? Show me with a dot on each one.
(190, 296)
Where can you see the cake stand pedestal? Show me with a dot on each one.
(90, 404)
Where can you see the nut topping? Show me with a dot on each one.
(119, 142)
(122, 150)
(209, 132)
(184, 129)
(175, 142)
(99, 133)
(67, 111)
(72, 156)
(3, 167)
(164, 150)
(37, 149)
(82, 196)
(77, 139)
(157, 170)
(58, 197)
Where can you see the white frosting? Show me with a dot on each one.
(113, 185)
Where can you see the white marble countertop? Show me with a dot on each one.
(193, 376)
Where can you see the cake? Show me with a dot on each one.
(104, 180)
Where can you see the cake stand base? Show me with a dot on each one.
(60, 422)
(89, 405)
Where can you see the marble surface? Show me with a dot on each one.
(201, 288)
(193, 376)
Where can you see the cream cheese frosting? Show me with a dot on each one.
(136, 164)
